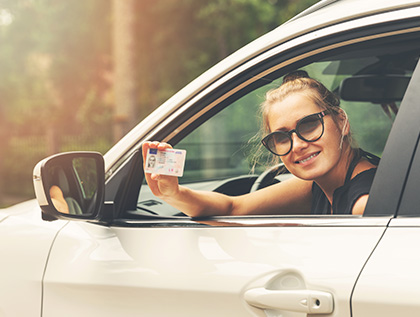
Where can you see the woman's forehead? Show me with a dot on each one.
(286, 113)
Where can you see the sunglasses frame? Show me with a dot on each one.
(320, 116)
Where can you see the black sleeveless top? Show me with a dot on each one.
(345, 196)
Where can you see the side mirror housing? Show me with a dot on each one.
(70, 185)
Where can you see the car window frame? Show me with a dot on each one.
(297, 55)
(409, 136)
(393, 172)
(202, 94)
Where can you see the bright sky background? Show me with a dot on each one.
(5, 17)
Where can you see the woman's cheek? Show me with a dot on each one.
(286, 163)
(291, 167)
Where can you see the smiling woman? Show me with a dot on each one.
(319, 149)
(163, 263)
(311, 133)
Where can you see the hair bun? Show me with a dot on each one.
(295, 75)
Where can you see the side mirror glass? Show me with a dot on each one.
(70, 185)
(381, 89)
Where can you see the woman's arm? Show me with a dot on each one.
(191, 202)
(289, 197)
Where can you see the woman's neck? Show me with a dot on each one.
(336, 177)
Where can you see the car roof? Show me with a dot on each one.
(345, 8)
(322, 14)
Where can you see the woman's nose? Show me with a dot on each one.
(298, 143)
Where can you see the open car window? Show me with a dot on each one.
(370, 81)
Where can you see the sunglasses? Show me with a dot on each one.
(309, 129)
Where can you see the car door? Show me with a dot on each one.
(145, 259)
(25, 243)
(182, 268)
(390, 283)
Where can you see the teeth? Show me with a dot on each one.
(308, 158)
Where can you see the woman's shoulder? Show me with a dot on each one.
(363, 166)
(359, 187)
(351, 198)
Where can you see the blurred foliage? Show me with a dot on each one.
(57, 68)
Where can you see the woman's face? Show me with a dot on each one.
(307, 160)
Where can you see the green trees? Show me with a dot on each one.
(58, 68)
(52, 74)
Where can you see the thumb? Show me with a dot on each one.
(155, 177)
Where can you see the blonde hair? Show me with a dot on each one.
(300, 82)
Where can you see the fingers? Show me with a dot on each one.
(161, 146)
(160, 185)
(157, 144)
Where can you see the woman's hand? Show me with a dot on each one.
(58, 200)
(160, 185)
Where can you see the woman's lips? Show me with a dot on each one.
(308, 158)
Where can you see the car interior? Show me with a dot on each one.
(224, 153)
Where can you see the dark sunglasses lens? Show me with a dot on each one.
(310, 128)
(278, 142)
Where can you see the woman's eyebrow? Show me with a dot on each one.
(285, 129)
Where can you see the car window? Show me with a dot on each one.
(370, 123)
(222, 150)
(222, 147)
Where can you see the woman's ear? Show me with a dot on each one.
(344, 123)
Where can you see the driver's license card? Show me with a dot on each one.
(169, 162)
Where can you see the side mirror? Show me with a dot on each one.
(381, 89)
(70, 185)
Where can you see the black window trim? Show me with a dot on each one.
(384, 28)
(392, 174)
(409, 205)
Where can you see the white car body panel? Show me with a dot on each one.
(28, 238)
(75, 268)
(398, 293)
(3, 216)
(178, 272)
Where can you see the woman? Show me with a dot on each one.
(310, 132)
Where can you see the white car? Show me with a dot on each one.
(123, 252)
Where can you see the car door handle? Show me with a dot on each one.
(304, 301)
